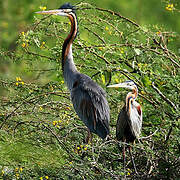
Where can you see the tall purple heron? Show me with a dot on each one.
(129, 122)
(88, 98)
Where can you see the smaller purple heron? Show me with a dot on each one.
(129, 122)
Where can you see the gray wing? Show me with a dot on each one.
(121, 124)
(136, 119)
(89, 101)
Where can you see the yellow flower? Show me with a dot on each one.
(117, 80)
(139, 65)
(158, 33)
(109, 32)
(100, 48)
(54, 123)
(85, 148)
(46, 177)
(106, 28)
(40, 108)
(78, 147)
(24, 45)
(41, 178)
(169, 7)
(21, 169)
(42, 45)
(142, 92)
(23, 34)
(129, 170)
(121, 50)
(128, 173)
(2, 172)
(43, 8)
(103, 79)
(68, 108)
(70, 162)
(19, 81)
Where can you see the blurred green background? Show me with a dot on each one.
(16, 16)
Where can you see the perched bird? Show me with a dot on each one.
(129, 122)
(88, 98)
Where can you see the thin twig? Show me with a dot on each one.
(43, 56)
(168, 135)
(60, 142)
(95, 35)
(42, 19)
(147, 137)
(163, 96)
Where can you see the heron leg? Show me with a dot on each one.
(132, 159)
(89, 137)
(124, 156)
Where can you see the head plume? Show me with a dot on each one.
(68, 6)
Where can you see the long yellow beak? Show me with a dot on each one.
(124, 85)
(117, 85)
(59, 12)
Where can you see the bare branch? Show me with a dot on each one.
(60, 142)
(147, 137)
(163, 96)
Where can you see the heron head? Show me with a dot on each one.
(65, 10)
(127, 84)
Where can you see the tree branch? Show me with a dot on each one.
(163, 96)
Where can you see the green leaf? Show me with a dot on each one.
(103, 79)
(146, 81)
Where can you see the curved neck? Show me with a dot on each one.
(68, 66)
(67, 46)
(131, 96)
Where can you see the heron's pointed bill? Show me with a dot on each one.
(123, 85)
(59, 12)
(117, 85)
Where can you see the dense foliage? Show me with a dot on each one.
(41, 135)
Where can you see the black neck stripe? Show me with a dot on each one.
(71, 36)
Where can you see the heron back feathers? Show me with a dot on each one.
(90, 103)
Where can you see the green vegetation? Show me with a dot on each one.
(41, 136)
